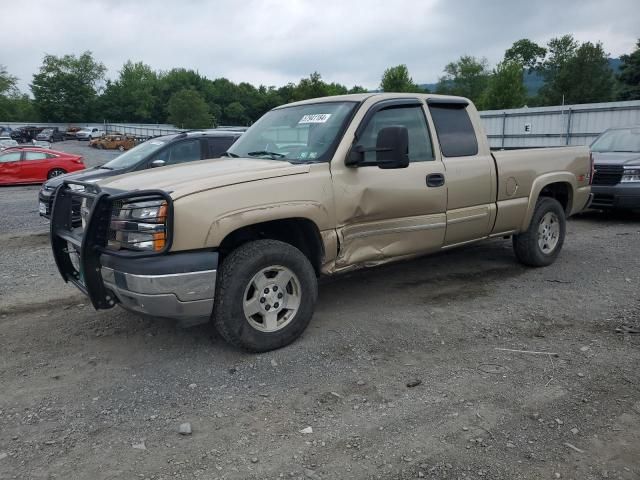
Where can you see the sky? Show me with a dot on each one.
(273, 42)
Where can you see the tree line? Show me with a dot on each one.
(73, 88)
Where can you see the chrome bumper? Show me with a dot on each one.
(180, 296)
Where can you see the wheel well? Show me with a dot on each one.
(561, 191)
(298, 232)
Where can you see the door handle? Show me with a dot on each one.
(435, 180)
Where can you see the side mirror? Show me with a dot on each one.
(158, 163)
(392, 150)
(392, 147)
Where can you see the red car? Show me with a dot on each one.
(35, 165)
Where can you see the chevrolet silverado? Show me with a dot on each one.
(313, 188)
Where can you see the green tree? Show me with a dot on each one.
(236, 114)
(7, 82)
(576, 73)
(188, 109)
(525, 52)
(358, 89)
(133, 96)
(397, 79)
(66, 87)
(505, 88)
(629, 76)
(466, 77)
(173, 81)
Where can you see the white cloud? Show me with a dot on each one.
(273, 42)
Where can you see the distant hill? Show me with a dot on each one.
(533, 81)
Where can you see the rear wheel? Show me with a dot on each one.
(56, 172)
(540, 245)
(266, 295)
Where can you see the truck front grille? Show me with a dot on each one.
(608, 174)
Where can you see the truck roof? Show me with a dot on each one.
(360, 97)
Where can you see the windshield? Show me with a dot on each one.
(619, 140)
(299, 134)
(135, 155)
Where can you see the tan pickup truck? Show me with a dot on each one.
(313, 188)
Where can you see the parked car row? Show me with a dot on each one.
(27, 134)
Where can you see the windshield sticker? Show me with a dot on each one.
(315, 118)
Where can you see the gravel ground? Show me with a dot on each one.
(400, 374)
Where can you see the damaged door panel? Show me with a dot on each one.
(388, 213)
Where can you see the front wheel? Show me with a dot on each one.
(540, 245)
(266, 295)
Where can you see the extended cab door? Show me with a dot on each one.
(470, 171)
(382, 214)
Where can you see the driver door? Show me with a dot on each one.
(383, 214)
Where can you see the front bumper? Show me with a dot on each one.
(186, 295)
(622, 195)
(178, 285)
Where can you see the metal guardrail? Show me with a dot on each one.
(140, 131)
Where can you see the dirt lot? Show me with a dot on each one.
(399, 376)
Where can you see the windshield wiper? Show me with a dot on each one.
(230, 155)
(105, 167)
(261, 153)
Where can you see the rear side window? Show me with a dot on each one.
(216, 146)
(455, 131)
(35, 155)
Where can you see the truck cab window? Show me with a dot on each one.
(454, 129)
(412, 117)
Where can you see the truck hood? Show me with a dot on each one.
(616, 158)
(193, 177)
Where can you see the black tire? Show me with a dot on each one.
(56, 172)
(234, 277)
(526, 245)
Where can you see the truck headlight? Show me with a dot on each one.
(140, 226)
(631, 174)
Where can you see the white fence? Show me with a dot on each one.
(557, 126)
